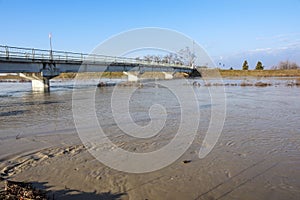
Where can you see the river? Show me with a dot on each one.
(256, 157)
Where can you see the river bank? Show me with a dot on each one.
(223, 73)
(260, 73)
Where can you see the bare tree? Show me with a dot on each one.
(287, 65)
(183, 57)
(188, 57)
(147, 58)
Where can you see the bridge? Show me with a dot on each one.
(40, 65)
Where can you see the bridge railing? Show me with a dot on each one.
(32, 54)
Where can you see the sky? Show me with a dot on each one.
(230, 31)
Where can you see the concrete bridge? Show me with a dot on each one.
(40, 65)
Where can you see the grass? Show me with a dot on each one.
(96, 75)
(260, 73)
(91, 75)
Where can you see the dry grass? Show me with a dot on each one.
(96, 75)
(205, 72)
(260, 73)
(90, 75)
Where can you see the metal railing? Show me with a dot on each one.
(9, 53)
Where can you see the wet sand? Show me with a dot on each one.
(68, 171)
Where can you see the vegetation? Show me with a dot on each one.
(98, 75)
(90, 75)
(245, 65)
(259, 66)
(260, 73)
(182, 57)
(286, 65)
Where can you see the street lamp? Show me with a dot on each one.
(50, 38)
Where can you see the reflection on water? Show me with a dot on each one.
(261, 124)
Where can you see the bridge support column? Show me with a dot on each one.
(42, 85)
(169, 75)
(38, 82)
(132, 76)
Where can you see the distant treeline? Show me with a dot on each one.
(286, 65)
(283, 65)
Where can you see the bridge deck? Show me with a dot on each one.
(17, 60)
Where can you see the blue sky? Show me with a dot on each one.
(230, 31)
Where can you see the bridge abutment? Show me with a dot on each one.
(169, 75)
(132, 76)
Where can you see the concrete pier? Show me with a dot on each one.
(42, 85)
(38, 82)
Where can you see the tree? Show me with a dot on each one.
(183, 57)
(245, 65)
(259, 66)
(287, 65)
(187, 56)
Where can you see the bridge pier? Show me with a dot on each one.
(38, 82)
(42, 85)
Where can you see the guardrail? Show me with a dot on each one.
(10, 52)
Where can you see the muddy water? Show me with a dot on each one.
(256, 157)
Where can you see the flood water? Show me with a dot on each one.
(256, 157)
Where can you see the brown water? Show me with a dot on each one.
(256, 157)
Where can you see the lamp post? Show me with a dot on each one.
(50, 38)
